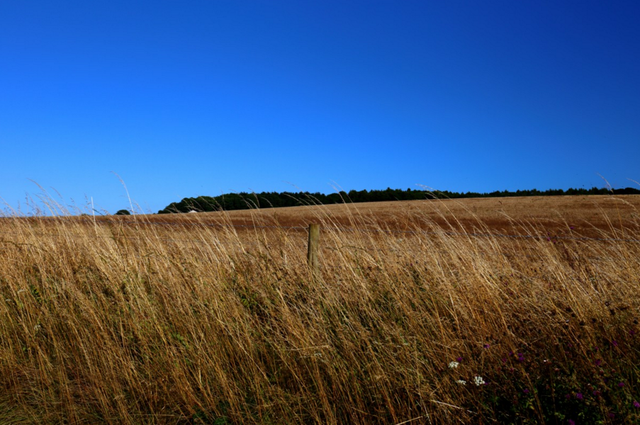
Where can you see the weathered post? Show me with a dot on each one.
(312, 252)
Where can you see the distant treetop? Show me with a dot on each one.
(243, 200)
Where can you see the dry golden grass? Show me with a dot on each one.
(588, 215)
(193, 319)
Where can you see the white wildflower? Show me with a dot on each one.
(453, 365)
(461, 382)
(478, 380)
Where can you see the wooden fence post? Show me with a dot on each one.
(312, 252)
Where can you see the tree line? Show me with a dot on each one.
(244, 200)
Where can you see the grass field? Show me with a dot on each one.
(583, 215)
(423, 312)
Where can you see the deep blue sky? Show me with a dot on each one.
(188, 98)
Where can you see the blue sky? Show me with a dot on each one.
(191, 98)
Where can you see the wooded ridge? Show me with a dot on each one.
(244, 200)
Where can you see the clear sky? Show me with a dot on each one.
(188, 98)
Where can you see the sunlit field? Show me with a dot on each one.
(437, 312)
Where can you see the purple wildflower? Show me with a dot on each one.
(459, 359)
(579, 396)
(486, 346)
(636, 404)
(621, 384)
(572, 422)
(598, 362)
(526, 391)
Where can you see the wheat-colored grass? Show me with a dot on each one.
(133, 321)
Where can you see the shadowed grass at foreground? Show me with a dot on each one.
(136, 323)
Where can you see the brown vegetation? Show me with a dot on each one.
(577, 216)
(214, 318)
